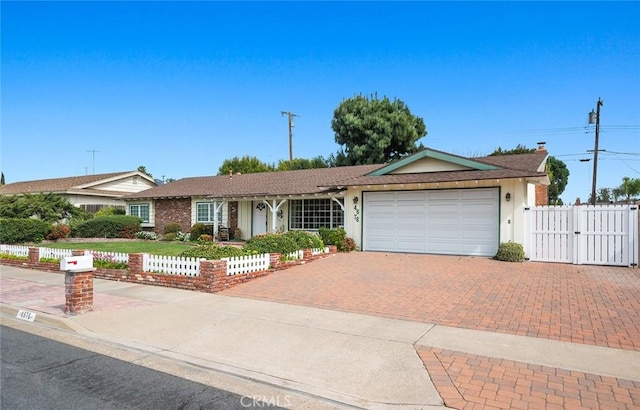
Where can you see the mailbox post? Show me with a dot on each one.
(78, 282)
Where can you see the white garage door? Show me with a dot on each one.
(451, 221)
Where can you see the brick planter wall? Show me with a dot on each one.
(213, 273)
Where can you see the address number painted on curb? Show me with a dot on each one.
(26, 315)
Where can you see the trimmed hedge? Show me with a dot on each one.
(117, 226)
(19, 230)
(213, 251)
(200, 229)
(271, 242)
(305, 240)
(510, 252)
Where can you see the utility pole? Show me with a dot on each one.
(595, 149)
(93, 153)
(290, 116)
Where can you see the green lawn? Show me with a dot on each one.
(155, 248)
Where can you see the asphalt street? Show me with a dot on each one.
(39, 373)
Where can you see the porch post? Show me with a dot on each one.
(274, 207)
(216, 209)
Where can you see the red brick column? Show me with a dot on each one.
(306, 254)
(274, 260)
(214, 275)
(135, 263)
(78, 290)
(34, 255)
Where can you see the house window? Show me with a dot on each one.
(205, 212)
(141, 211)
(312, 214)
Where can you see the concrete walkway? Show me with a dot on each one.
(353, 359)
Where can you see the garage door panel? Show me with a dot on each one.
(454, 221)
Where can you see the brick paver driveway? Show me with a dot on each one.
(592, 305)
(586, 304)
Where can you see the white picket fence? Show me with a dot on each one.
(597, 235)
(319, 251)
(53, 253)
(16, 250)
(173, 265)
(109, 256)
(244, 264)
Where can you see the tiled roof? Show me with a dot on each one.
(55, 185)
(298, 182)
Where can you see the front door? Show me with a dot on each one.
(259, 218)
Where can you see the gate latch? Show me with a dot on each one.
(577, 233)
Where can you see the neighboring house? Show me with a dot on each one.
(88, 192)
(430, 202)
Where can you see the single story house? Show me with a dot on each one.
(429, 202)
(88, 192)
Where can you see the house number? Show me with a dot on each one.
(356, 213)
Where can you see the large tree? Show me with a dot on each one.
(373, 130)
(302, 163)
(556, 169)
(244, 165)
(629, 189)
(558, 176)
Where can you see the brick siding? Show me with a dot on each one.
(173, 210)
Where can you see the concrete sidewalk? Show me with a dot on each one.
(349, 358)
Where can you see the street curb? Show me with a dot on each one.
(42, 318)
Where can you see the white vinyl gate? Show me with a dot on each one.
(596, 235)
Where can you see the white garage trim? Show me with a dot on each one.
(446, 221)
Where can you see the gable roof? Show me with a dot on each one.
(262, 184)
(481, 168)
(435, 154)
(71, 185)
(330, 180)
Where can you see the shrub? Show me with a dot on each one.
(19, 230)
(59, 231)
(172, 227)
(151, 236)
(337, 237)
(332, 236)
(200, 229)
(271, 242)
(305, 240)
(171, 236)
(510, 252)
(213, 251)
(13, 257)
(109, 211)
(118, 226)
(181, 236)
(108, 262)
(348, 245)
(204, 238)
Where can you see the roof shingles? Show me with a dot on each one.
(323, 180)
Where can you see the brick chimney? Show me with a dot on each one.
(541, 147)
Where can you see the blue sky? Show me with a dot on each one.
(180, 86)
